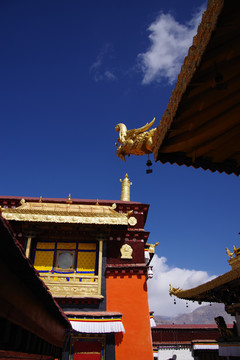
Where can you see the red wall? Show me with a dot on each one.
(128, 294)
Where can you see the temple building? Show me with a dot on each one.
(94, 258)
(200, 128)
(32, 325)
(185, 341)
(223, 289)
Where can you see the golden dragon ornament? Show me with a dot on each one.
(135, 141)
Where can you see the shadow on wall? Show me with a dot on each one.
(118, 338)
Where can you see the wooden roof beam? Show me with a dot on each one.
(191, 139)
(209, 95)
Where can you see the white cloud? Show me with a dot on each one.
(158, 287)
(109, 75)
(99, 69)
(170, 41)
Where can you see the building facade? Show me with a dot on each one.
(91, 256)
(32, 325)
(185, 341)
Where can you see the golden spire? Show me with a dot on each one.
(125, 193)
(69, 200)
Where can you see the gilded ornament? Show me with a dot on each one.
(69, 201)
(132, 221)
(151, 248)
(135, 141)
(234, 261)
(173, 291)
(229, 253)
(125, 192)
(126, 251)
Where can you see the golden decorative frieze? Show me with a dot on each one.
(68, 285)
(65, 213)
(77, 291)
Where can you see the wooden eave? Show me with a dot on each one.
(223, 289)
(24, 298)
(201, 125)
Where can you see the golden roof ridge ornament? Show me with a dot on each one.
(151, 247)
(69, 200)
(173, 291)
(136, 141)
(234, 261)
(125, 193)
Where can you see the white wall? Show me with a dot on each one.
(176, 354)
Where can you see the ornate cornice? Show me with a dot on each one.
(67, 213)
(126, 269)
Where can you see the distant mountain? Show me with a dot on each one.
(202, 315)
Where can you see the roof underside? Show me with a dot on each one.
(201, 126)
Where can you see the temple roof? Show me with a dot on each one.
(200, 126)
(223, 289)
(66, 213)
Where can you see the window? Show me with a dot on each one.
(73, 265)
(65, 260)
(66, 257)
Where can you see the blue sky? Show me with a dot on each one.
(70, 71)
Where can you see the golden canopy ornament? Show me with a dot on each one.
(135, 141)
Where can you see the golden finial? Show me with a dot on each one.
(151, 248)
(234, 261)
(97, 203)
(125, 193)
(173, 291)
(22, 201)
(229, 253)
(69, 201)
(40, 199)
